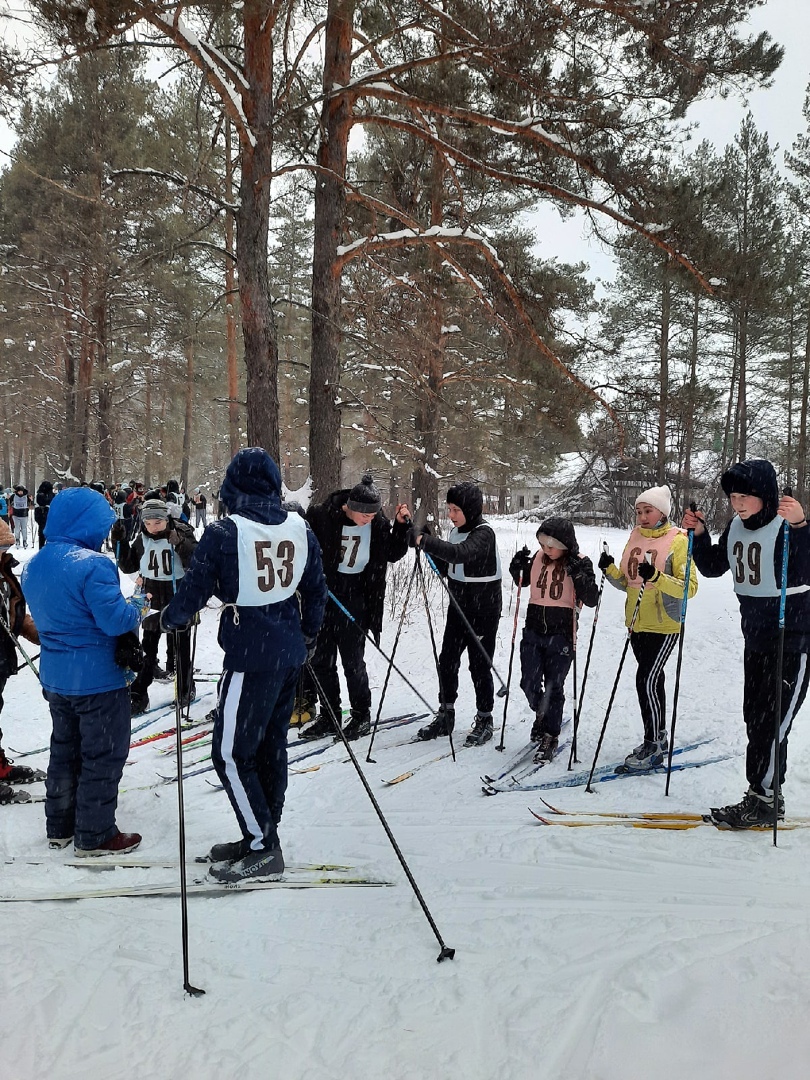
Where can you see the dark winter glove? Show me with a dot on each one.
(168, 627)
(174, 538)
(415, 531)
(118, 532)
(311, 644)
(605, 560)
(646, 571)
(520, 567)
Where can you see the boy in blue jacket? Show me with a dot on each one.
(264, 564)
(74, 595)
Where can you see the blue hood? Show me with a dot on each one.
(252, 485)
(79, 516)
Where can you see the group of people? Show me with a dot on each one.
(300, 590)
(15, 507)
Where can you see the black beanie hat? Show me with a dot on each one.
(364, 498)
(754, 477)
(468, 498)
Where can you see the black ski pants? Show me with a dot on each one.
(544, 663)
(759, 703)
(652, 652)
(150, 641)
(456, 639)
(339, 635)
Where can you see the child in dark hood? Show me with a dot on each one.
(470, 554)
(752, 547)
(560, 581)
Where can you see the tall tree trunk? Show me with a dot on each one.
(105, 392)
(330, 199)
(252, 229)
(791, 389)
(663, 376)
(147, 427)
(187, 426)
(742, 394)
(689, 434)
(801, 448)
(230, 300)
(79, 442)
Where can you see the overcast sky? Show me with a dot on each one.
(777, 110)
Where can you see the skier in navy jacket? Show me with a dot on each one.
(752, 547)
(74, 595)
(265, 565)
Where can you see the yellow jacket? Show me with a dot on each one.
(660, 611)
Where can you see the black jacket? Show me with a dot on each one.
(364, 593)
(478, 554)
(130, 554)
(45, 496)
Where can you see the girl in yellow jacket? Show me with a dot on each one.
(655, 553)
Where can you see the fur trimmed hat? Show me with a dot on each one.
(364, 498)
(659, 497)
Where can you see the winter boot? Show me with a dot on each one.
(319, 729)
(303, 712)
(481, 731)
(57, 843)
(648, 755)
(231, 852)
(9, 795)
(189, 696)
(753, 811)
(17, 774)
(359, 724)
(158, 674)
(138, 703)
(119, 844)
(547, 748)
(537, 727)
(441, 724)
(266, 865)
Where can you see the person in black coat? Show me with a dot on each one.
(45, 494)
(357, 542)
(752, 548)
(470, 554)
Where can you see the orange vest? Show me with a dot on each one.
(550, 584)
(637, 547)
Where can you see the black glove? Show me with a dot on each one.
(128, 652)
(118, 532)
(174, 537)
(605, 560)
(311, 644)
(415, 531)
(520, 567)
(646, 571)
(169, 629)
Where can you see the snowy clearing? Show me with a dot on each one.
(597, 953)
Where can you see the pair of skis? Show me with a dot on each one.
(667, 820)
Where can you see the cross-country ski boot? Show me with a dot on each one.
(17, 774)
(546, 749)
(442, 724)
(481, 731)
(648, 755)
(753, 811)
(359, 724)
(9, 795)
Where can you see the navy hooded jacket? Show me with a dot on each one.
(266, 637)
(760, 615)
(74, 595)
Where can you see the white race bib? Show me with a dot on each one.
(272, 559)
(159, 561)
(456, 570)
(355, 548)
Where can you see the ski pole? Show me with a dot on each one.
(388, 671)
(435, 651)
(687, 574)
(574, 659)
(500, 745)
(572, 757)
(446, 952)
(503, 691)
(195, 991)
(588, 787)
(780, 662)
(382, 652)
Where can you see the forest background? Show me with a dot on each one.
(314, 227)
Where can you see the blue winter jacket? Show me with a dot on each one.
(267, 637)
(74, 595)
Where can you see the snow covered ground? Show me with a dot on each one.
(602, 953)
